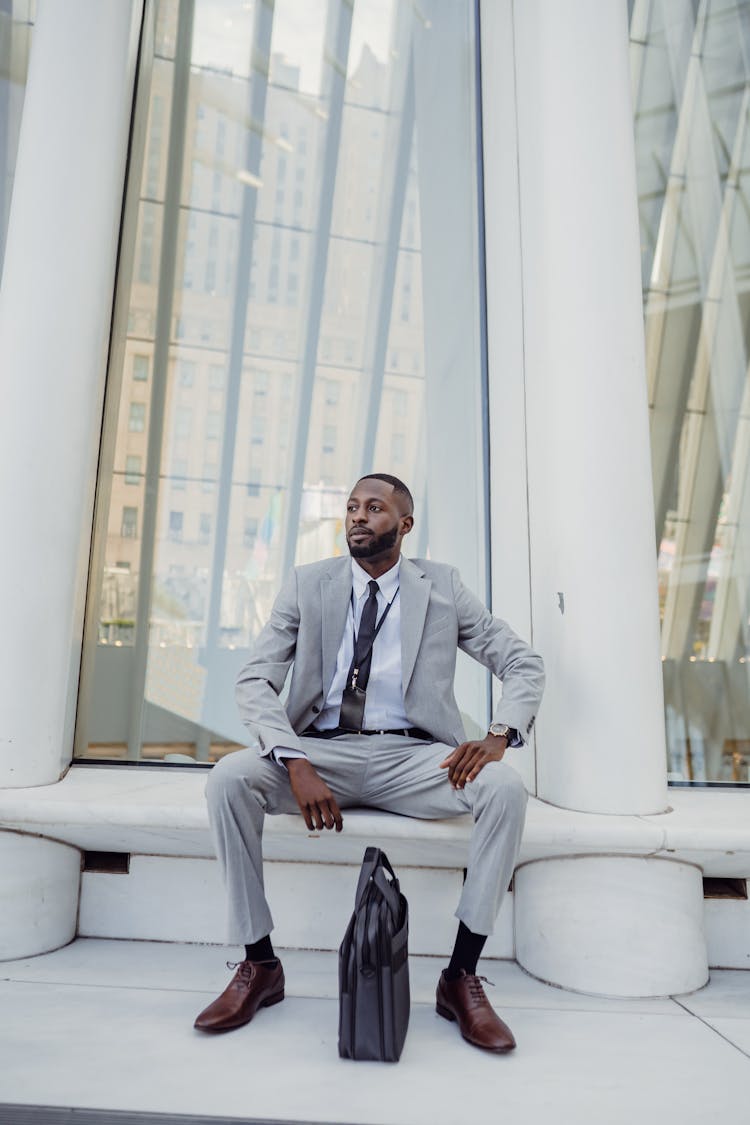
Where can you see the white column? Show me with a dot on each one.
(591, 541)
(574, 553)
(624, 926)
(55, 311)
(39, 882)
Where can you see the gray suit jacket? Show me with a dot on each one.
(438, 615)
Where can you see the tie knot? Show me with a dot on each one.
(373, 586)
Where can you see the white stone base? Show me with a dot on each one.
(168, 899)
(39, 881)
(612, 925)
(728, 933)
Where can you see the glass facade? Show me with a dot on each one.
(16, 20)
(299, 302)
(691, 84)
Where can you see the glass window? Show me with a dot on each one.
(309, 186)
(216, 377)
(333, 389)
(140, 367)
(16, 21)
(179, 473)
(183, 421)
(329, 439)
(132, 469)
(691, 85)
(250, 531)
(187, 373)
(137, 417)
(257, 430)
(129, 524)
(175, 525)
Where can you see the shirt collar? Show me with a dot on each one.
(387, 582)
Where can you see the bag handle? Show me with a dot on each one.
(375, 860)
(388, 891)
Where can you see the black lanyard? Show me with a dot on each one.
(354, 668)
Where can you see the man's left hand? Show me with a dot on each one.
(466, 761)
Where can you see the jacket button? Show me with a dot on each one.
(316, 709)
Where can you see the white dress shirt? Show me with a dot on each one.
(384, 701)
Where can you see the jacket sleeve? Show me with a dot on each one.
(494, 644)
(261, 680)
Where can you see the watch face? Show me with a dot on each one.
(500, 729)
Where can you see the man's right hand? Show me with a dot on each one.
(316, 801)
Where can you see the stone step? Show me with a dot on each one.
(164, 898)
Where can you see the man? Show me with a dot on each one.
(371, 719)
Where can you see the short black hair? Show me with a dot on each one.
(396, 484)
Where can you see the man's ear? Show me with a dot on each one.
(407, 523)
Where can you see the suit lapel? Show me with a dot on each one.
(335, 595)
(415, 595)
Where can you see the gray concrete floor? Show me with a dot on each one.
(108, 1025)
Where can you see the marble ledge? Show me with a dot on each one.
(161, 811)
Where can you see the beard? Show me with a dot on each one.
(375, 545)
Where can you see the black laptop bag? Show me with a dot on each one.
(374, 966)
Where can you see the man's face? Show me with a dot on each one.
(375, 523)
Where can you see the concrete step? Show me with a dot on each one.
(164, 898)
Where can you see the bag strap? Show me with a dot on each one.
(389, 892)
(374, 860)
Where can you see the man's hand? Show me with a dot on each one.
(465, 762)
(316, 801)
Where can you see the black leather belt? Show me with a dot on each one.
(336, 732)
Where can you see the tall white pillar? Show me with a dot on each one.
(579, 383)
(574, 553)
(55, 311)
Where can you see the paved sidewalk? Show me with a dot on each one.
(108, 1024)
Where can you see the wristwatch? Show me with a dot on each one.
(501, 730)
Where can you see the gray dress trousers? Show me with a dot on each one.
(390, 772)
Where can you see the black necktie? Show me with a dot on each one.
(353, 700)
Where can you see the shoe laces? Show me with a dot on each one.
(476, 990)
(245, 971)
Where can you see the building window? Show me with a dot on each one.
(179, 474)
(254, 480)
(137, 417)
(279, 512)
(332, 392)
(187, 373)
(209, 476)
(691, 148)
(140, 367)
(250, 532)
(132, 469)
(175, 526)
(183, 422)
(129, 523)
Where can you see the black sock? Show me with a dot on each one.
(466, 952)
(260, 950)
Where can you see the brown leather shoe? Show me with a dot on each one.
(254, 985)
(464, 1000)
